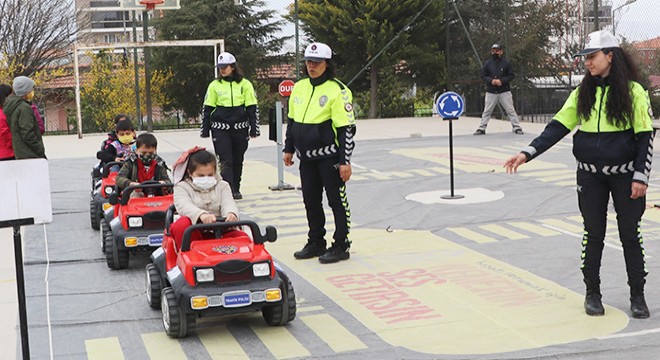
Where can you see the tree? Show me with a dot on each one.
(108, 90)
(358, 30)
(248, 34)
(33, 34)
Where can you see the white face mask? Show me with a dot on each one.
(204, 182)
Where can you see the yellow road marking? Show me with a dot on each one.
(440, 170)
(280, 342)
(472, 235)
(300, 213)
(274, 202)
(399, 174)
(160, 346)
(293, 206)
(500, 230)
(565, 183)
(652, 215)
(538, 230)
(422, 172)
(308, 309)
(104, 349)
(292, 230)
(220, 343)
(570, 175)
(564, 225)
(333, 333)
(377, 175)
(546, 173)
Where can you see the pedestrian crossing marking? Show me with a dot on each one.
(220, 343)
(306, 309)
(422, 172)
(280, 342)
(400, 174)
(377, 175)
(566, 183)
(471, 235)
(266, 202)
(500, 230)
(548, 173)
(333, 333)
(104, 349)
(440, 170)
(160, 346)
(292, 230)
(563, 225)
(652, 215)
(536, 229)
(570, 175)
(292, 206)
(269, 215)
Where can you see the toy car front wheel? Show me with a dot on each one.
(285, 311)
(154, 286)
(115, 258)
(176, 323)
(94, 216)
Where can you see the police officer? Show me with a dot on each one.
(230, 115)
(614, 149)
(320, 130)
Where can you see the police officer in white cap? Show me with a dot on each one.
(320, 131)
(230, 115)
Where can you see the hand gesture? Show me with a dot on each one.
(512, 164)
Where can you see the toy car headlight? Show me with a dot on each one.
(261, 269)
(204, 275)
(134, 222)
(108, 190)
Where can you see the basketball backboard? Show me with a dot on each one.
(130, 5)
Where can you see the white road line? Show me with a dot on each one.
(555, 228)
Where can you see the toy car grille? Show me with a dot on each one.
(240, 277)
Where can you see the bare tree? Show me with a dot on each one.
(35, 33)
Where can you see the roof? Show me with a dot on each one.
(650, 44)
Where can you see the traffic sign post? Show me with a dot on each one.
(450, 106)
(281, 185)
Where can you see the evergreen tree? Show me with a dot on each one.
(248, 33)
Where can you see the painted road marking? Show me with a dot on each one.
(533, 228)
(471, 235)
(548, 173)
(161, 346)
(422, 172)
(333, 333)
(280, 342)
(306, 309)
(104, 349)
(292, 230)
(500, 230)
(220, 343)
(556, 223)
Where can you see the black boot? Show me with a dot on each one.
(637, 303)
(593, 305)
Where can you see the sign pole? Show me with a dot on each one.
(280, 147)
(450, 106)
(20, 281)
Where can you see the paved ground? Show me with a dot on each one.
(491, 276)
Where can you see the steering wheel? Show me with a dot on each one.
(150, 192)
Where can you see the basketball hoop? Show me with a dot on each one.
(151, 4)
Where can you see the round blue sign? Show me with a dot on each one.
(450, 105)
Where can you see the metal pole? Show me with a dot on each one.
(280, 147)
(447, 44)
(451, 163)
(295, 11)
(20, 286)
(147, 71)
(596, 16)
(77, 76)
(138, 113)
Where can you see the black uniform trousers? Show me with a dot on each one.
(230, 147)
(594, 191)
(315, 176)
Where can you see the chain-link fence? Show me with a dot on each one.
(396, 65)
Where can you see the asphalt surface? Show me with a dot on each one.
(494, 275)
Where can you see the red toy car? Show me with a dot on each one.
(102, 188)
(136, 224)
(228, 272)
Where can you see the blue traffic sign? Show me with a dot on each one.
(450, 105)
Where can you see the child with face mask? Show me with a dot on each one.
(122, 147)
(200, 194)
(142, 165)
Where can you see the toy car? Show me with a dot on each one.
(229, 272)
(135, 224)
(102, 188)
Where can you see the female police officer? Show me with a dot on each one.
(230, 114)
(613, 148)
(320, 130)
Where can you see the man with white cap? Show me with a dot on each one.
(320, 131)
(230, 115)
(26, 137)
(497, 73)
(613, 146)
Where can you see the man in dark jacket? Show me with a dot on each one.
(497, 73)
(26, 137)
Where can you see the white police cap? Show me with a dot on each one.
(598, 40)
(318, 52)
(225, 59)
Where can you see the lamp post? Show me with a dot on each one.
(295, 11)
(628, 2)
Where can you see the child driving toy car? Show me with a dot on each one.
(143, 165)
(200, 194)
